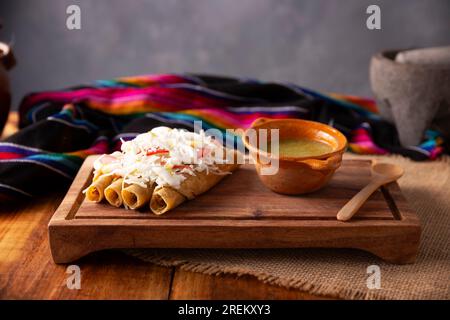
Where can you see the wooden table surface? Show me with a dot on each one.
(27, 270)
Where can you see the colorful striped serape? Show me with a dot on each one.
(61, 128)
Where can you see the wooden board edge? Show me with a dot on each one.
(405, 210)
(74, 196)
(70, 240)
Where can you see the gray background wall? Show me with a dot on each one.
(322, 44)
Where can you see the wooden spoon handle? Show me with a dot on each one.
(358, 200)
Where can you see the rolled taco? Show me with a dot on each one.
(96, 191)
(113, 193)
(166, 198)
(135, 196)
(163, 168)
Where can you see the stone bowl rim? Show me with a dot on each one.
(388, 57)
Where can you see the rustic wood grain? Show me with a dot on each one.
(23, 238)
(190, 285)
(249, 216)
(27, 270)
(242, 196)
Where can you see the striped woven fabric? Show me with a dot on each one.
(61, 128)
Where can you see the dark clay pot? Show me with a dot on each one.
(6, 62)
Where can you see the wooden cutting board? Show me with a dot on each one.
(241, 213)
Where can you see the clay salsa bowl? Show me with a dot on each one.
(295, 175)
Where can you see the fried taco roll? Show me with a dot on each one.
(96, 191)
(97, 175)
(135, 196)
(166, 198)
(113, 193)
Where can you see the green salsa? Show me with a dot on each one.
(300, 148)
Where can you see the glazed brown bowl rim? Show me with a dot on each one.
(340, 150)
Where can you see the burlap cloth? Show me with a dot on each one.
(343, 273)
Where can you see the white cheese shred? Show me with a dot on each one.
(163, 156)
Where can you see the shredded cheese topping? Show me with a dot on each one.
(163, 155)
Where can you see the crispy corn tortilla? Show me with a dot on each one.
(135, 196)
(113, 193)
(166, 198)
(162, 199)
(96, 191)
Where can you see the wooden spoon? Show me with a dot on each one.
(382, 173)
